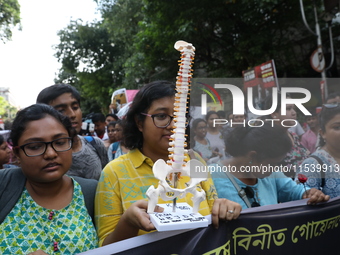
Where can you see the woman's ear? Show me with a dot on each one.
(252, 156)
(322, 133)
(139, 124)
(16, 152)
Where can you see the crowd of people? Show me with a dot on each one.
(70, 193)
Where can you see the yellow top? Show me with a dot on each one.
(125, 180)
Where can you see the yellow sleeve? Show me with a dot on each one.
(108, 205)
(210, 191)
(208, 186)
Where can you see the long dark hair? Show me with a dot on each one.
(133, 138)
(2, 139)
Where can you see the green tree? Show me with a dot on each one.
(121, 19)
(133, 43)
(94, 56)
(230, 36)
(7, 111)
(90, 62)
(9, 18)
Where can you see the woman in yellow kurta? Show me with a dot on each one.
(126, 179)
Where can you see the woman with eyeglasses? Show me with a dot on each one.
(147, 132)
(248, 177)
(42, 210)
(200, 143)
(323, 166)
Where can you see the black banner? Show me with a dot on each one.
(287, 228)
(297, 230)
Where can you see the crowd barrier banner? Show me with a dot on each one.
(288, 228)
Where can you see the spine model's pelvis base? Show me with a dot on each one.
(182, 215)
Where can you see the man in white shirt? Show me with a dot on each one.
(98, 120)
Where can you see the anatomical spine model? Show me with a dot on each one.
(176, 166)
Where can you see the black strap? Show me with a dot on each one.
(92, 141)
(323, 180)
(88, 187)
(241, 192)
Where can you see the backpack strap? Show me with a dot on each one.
(323, 180)
(88, 187)
(92, 141)
(241, 192)
(115, 146)
(12, 183)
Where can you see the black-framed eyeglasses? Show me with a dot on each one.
(162, 120)
(251, 194)
(38, 148)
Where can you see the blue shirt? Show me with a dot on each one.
(270, 190)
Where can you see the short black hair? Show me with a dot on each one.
(2, 139)
(312, 110)
(221, 114)
(98, 117)
(48, 94)
(133, 138)
(210, 113)
(196, 122)
(36, 112)
(112, 115)
(261, 139)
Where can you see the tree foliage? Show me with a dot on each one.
(90, 61)
(230, 36)
(7, 111)
(9, 18)
(133, 43)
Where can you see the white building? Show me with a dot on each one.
(5, 93)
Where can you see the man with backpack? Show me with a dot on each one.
(89, 155)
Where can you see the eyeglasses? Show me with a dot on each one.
(38, 148)
(331, 106)
(162, 120)
(251, 194)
